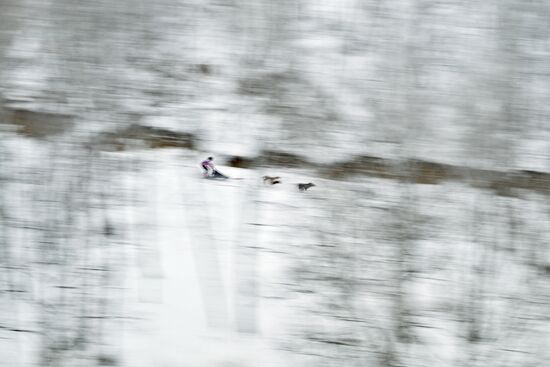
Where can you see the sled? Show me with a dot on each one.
(217, 175)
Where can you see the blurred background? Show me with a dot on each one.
(423, 125)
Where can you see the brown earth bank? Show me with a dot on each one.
(147, 136)
(504, 183)
(36, 124)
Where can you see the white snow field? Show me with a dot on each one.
(130, 258)
(200, 279)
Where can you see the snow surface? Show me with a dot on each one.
(235, 273)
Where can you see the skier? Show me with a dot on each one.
(208, 166)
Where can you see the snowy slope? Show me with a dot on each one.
(131, 258)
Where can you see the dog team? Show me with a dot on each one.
(273, 180)
(209, 171)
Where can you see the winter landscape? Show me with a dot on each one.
(422, 124)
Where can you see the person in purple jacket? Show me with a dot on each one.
(208, 166)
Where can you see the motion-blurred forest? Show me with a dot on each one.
(423, 124)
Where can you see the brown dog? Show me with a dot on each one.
(304, 187)
(272, 180)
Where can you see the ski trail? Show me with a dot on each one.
(163, 289)
(246, 262)
(197, 218)
(203, 307)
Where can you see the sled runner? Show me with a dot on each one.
(217, 175)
